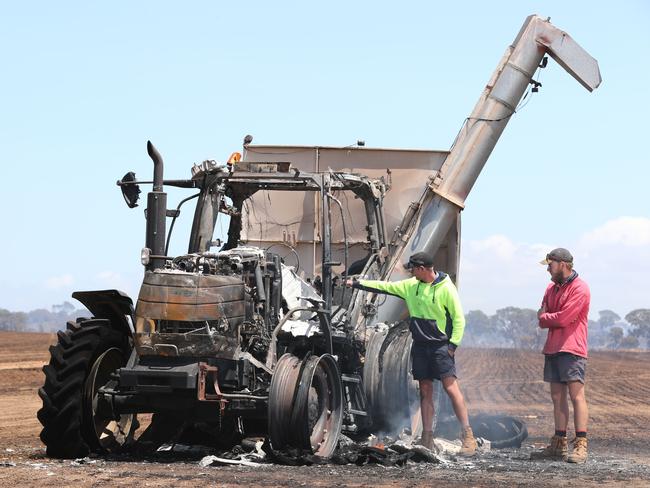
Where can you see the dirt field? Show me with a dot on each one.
(494, 381)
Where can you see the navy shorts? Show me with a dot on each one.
(432, 361)
(564, 367)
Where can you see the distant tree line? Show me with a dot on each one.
(41, 319)
(508, 327)
(518, 328)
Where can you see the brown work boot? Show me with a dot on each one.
(579, 454)
(469, 443)
(426, 440)
(557, 450)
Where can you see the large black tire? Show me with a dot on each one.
(67, 418)
(392, 393)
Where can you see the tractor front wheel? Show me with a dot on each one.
(82, 361)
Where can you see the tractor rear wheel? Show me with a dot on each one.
(392, 393)
(82, 361)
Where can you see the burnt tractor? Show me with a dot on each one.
(257, 335)
(232, 340)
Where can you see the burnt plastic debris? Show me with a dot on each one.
(350, 454)
(501, 431)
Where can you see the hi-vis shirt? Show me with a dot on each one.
(436, 315)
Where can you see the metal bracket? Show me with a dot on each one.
(435, 179)
(450, 198)
(205, 372)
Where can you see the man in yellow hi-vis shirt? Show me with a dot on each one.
(437, 324)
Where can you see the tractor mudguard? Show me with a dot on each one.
(113, 305)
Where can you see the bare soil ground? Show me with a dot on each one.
(494, 380)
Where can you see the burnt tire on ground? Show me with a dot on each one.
(77, 362)
(501, 430)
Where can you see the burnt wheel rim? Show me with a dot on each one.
(281, 393)
(318, 409)
(109, 433)
(391, 391)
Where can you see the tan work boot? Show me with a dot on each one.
(469, 443)
(557, 450)
(579, 454)
(426, 440)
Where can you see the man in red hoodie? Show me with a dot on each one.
(564, 312)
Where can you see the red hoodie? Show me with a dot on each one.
(567, 308)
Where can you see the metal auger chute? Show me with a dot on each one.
(444, 197)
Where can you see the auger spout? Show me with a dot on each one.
(445, 194)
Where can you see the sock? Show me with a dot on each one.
(561, 433)
(581, 434)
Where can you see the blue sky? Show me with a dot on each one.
(85, 84)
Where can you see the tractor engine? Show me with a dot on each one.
(220, 308)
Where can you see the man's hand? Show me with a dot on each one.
(349, 282)
(541, 311)
(451, 351)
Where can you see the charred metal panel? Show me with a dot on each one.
(154, 379)
(208, 310)
(190, 312)
(201, 345)
(190, 297)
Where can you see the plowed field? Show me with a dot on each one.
(502, 381)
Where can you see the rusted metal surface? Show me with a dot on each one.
(205, 373)
(209, 309)
(281, 394)
(233, 311)
(318, 406)
(390, 389)
(208, 373)
(191, 297)
(306, 404)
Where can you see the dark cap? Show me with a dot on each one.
(560, 254)
(420, 259)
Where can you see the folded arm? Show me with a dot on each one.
(569, 313)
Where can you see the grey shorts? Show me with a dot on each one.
(564, 367)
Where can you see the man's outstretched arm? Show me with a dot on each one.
(395, 288)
